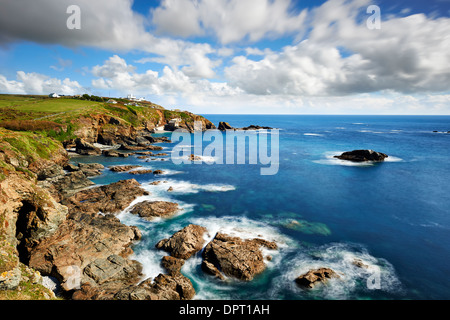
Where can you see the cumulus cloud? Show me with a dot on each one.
(106, 24)
(118, 75)
(343, 57)
(36, 83)
(228, 20)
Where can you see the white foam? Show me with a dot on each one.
(331, 160)
(341, 258)
(186, 187)
(313, 134)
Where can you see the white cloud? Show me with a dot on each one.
(343, 57)
(36, 83)
(229, 20)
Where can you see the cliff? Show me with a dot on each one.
(45, 229)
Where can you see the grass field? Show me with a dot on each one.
(43, 104)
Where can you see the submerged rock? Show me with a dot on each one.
(362, 155)
(315, 276)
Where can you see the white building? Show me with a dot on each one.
(53, 95)
(111, 101)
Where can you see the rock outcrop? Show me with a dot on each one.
(362, 155)
(111, 198)
(184, 243)
(155, 209)
(235, 257)
(81, 240)
(315, 276)
(85, 148)
(223, 126)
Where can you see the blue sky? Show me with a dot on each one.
(235, 56)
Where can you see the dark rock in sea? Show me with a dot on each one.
(255, 127)
(158, 172)
(184, 243)
(224, 126)
(154, 209)
(233, 256)
(315, 276)
(362, 155)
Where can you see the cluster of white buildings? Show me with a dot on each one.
(133, 98)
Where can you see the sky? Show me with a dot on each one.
(234, 56)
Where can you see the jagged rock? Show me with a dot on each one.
(110, 153)
(315, 276)
(158, 172)
(112, 268)
(184, 243)
(172, 265)
(111, 198)
(51, 171)
(224, 126)
(85, 148)
(123, 168)
(79, 241)
(362, 155)
(153, 209)
(71, 167)
(170, 287)
(235, 257)
(91, 169)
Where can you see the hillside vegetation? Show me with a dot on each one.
(67, 118)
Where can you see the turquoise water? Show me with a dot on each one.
(323, 212)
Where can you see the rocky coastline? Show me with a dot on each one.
(57, 224)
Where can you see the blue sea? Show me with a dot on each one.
(393, 216)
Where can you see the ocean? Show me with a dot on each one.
(393, 216)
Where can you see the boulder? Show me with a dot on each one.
(172, 265)
(362, 155)
(153, 209)
(315, 276)
(112, 198)
(184, 243)
(233, 256)
(158, 172)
